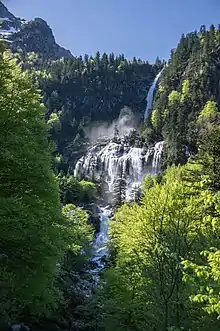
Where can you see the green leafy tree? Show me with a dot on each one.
(150, 240)
(75, 279)
(73, 191)
(88, 191)
(31, 240)
(206, 281)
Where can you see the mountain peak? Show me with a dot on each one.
(5, 13)
(30, 36)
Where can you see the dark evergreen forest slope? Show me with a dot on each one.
(78, 92)
(189, 81)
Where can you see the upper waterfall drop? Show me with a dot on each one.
(150, 95)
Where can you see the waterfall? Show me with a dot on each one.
(107, 163)
(111, 161)
(158, 150)
(150, 95)
(101, 240)
(119, 160)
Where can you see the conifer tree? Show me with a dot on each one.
(119, 192)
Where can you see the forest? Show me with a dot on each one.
(162, 272)
(190, 79)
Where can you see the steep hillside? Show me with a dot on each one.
(79, 92)
(189, 81)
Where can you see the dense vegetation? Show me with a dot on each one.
(191, 78)
(165, 270)
(163, 273)
(78, 92)
(36, 237)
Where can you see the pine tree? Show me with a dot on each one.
(204, 275)
(119, 188)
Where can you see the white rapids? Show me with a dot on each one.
(108, 162)
(100, 245)
(119, 160)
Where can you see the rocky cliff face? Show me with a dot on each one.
(29, 36)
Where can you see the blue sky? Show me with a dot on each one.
(141, 28)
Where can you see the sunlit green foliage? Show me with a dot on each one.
(166, 247)
(37, 240)
(206, 281)
(151, 239)
(74, 191)
(31, 239)
(209, 112)
(76, 227)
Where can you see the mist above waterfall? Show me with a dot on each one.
(124, 124)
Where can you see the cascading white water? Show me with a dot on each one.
(158, 150)
(118, 160)
(100, 245)
(107, 163)
(150, 95)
